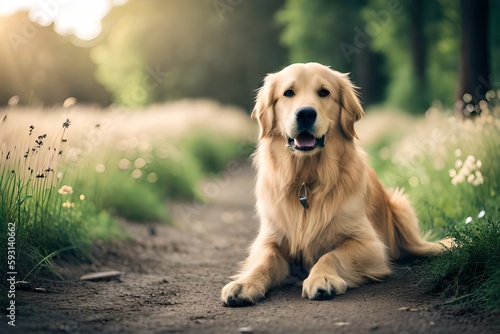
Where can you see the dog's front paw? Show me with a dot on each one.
(323, 287)
(241, 293)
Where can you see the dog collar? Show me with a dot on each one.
(303, 195)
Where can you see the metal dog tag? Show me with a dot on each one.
(303, 195)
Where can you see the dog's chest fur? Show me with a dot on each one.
(306, 234)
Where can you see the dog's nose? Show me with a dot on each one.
(305, 116)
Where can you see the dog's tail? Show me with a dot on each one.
(406, 233)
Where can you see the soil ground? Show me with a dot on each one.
(172, 277)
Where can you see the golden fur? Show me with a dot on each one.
(352, 228)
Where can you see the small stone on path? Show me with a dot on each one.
(245, 330)
(102, 276)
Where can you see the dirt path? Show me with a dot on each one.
(173, 276)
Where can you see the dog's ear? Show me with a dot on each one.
(263, 111)
(351, 110)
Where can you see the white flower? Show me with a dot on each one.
(452, 173)
(68, 204)
(65, 190)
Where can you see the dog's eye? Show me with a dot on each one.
(289, 93)
(323, 92)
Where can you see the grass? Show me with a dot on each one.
(68, 176)
(66, 183)
(470, 273)
(448, 166)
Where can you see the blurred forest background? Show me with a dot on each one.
(105, 70)
(407, 54)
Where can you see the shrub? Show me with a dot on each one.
(471, 271)
(449, 169)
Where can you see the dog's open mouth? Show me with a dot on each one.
(305, 142)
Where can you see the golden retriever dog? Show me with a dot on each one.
(319, 203)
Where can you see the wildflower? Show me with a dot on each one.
(152, 177)
(124, 164)
(68, 204)
(452, 173)
(70, 101)
(479, 179)
(82, 197)
(67, 123)
(136, 173)
(467, 170)
(139, 163)
(65, 190)
(468, 220)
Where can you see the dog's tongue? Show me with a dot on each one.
(305, 139)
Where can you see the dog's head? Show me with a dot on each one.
(305, 104)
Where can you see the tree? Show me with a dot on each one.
(188, 49)
(474, 56)
(333, 33)
(43, 68)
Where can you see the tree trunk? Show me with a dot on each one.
(418, 45)
(474, 60)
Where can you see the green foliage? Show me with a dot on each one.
(133, 200)
(441, 44)
(314, 30)
(41, 217)
(211, 150)
(445, 156)
(328, 32)
(187, 48)
(60, 206)
(471, 271)
(449, 169)
(44, 68)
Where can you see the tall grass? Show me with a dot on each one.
(47, 217)
(68, 176)
(449, 168)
